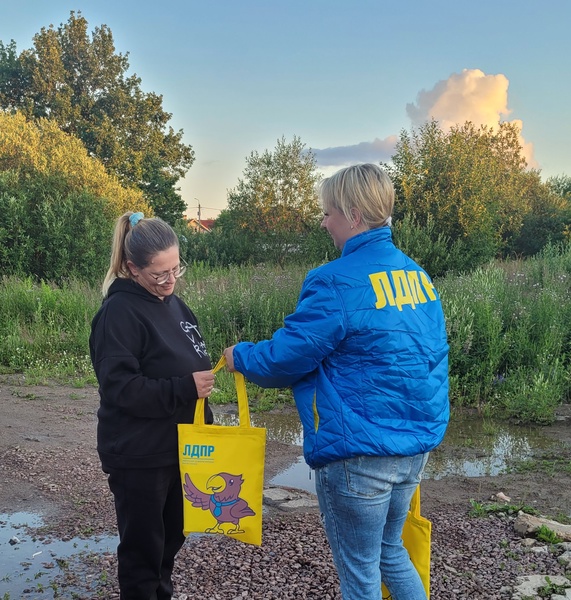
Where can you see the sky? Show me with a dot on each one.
(346, 77)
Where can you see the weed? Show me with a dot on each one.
(562, 518)
(551, 588)
(483, 510)
(544, 534)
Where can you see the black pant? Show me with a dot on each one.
(149, 510)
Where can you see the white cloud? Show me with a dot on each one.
(467, 96)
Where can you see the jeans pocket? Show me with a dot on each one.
(369, 476)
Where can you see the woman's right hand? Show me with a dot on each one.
(229, 354)
(204, 381)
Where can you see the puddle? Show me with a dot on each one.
(298, 475)
(285, 428)
(28, 565)
(481, 447)
(485, 448)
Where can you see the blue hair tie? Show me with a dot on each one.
(135, 218)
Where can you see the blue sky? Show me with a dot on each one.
(345, 76)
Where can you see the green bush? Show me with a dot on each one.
(50, 231)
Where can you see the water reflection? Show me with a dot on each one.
(28, 566)
(473, 447)
(476, 447)
(280, 427)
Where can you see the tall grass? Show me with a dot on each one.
(242, 303)
(44, 330)
(509, 328)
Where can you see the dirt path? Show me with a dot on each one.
(48, 464)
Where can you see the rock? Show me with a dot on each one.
(527, 587)
(565, 558)
(289, 499)
(526, 524)
(502, 497)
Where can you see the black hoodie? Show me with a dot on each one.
(144, 351)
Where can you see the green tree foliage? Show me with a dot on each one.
(561, 185)
(471, 186)
(52, 231)
(424, 244)
(81, 83)
(547, 219)
(275, 205)
(57, 203)
(40, 148)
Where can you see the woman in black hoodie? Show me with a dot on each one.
(152, 365)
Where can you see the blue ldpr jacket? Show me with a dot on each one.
(366, 354)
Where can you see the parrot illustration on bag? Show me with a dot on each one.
(223, 501)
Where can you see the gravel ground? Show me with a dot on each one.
(48, 465)
(472, 557)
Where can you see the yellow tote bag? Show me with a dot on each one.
(416, 538)
(222, 473)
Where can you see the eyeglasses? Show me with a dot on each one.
(164, 277)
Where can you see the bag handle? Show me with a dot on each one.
(415, 502)
(243, 408)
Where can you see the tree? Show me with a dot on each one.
(81, 83)
(40, 148)
(470, 184)
(275, 204)
(57, 203)
(549, 217)
(561, 185)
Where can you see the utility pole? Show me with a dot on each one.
(199, 223)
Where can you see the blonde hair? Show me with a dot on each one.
(137, 240)
(365, 188)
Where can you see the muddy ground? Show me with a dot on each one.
(48, 464)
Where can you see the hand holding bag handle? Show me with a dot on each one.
(243, 408)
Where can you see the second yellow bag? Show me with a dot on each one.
(222, 472)
(416, 536)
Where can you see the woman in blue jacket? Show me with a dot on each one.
(367, 356)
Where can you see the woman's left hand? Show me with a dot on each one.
(204, 381)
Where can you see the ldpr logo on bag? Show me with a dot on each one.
(196, 453)
(223, 501)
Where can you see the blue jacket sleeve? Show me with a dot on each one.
(308, 336)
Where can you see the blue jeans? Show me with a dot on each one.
(364, 503)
